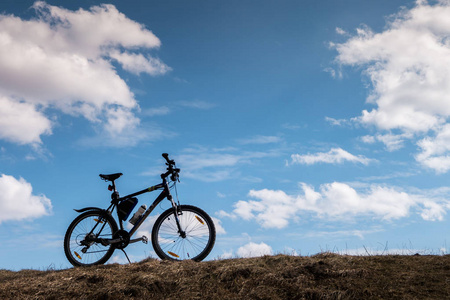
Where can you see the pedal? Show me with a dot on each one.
(144, 239)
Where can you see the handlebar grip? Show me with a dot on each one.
(166, 156)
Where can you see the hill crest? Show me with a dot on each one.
(323, 276)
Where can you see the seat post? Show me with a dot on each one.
(115, 194)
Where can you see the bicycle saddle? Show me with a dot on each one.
(110, 177)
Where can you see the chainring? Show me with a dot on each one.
(124, 235)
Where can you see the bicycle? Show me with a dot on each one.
(181, 232)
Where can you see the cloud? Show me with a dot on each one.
(226, 254)
(435, 151)
(334, 156)
(391, 141)
(157, 111)
(17, 201)
(122, 128)
(341, 31)
(337, 122)
(339, 233)
(336, 201)
(198, 104)
(292, 126)
(408, 67)
(254, 250)
(137, 63)
(62, 60)
(261, 139)
(218, 164)
(218, 224)
(21, 122)
(335, 74)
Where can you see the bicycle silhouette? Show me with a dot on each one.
(179, 233)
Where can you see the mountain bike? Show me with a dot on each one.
(181, 232)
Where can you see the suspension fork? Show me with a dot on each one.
(176, 210)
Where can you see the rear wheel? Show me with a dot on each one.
(195, 240)
(79, 247)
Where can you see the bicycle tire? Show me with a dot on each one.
(96, 253)
(198, 242)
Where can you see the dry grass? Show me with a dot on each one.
(324, 276)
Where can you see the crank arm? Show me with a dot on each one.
(106, 242)
(144, 239)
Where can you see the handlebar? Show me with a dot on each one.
(170, 168)
(166, 156)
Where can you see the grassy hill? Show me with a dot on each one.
(323, 276)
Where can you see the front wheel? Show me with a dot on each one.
(79, 245)
(195, 240)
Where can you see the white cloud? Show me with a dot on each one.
(157, 111)
(261, 139)
(218, 224)
(22, 122)
(198, 104)
(254, 250)
(368, 139)
(17, 201)
(62, 60)
(137, 63)
(433, 211)
(220, 195)
(223, 214)
(335, 74)
(119, 119)
(292, 126)
(101, 25)
(339, 233)
(201, 158)
(337, 122)
(337, 201)
(290, 251)
(341, 31)
(392, 141)
(408, 66)
(123, 131)
(212, 165)
(334, 156)
(436, 151)
(226, 254)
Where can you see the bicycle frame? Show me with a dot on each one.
(116, 200)
(164, 194)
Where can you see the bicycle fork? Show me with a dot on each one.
(177, 212)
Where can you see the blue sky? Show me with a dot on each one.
(300, 126)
